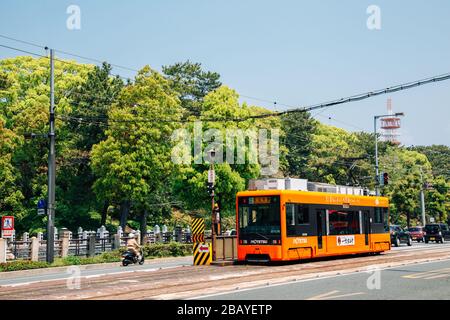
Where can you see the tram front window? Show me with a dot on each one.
(259, 220)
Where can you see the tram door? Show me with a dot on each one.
(321, 231)
(366, 219)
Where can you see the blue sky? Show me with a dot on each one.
(293, 52)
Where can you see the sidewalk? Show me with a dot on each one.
(97, 266)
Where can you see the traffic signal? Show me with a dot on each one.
(385, 178)
(216, 212)
(210, 187)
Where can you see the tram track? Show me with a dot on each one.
(184, 282)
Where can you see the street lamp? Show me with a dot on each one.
(375, 118)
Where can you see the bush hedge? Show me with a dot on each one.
(172, 249)
(22, 265)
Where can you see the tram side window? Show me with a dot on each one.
(297, 219)
(243, 217)
(386, 219)
(343, 222)
(378, 218)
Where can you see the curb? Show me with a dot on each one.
(55, 270)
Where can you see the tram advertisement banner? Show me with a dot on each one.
(345, 240)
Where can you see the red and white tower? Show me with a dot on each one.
(390, 125)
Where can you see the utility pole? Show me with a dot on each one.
(422, 198)
(377, 176)
(51, 167)
(211, 181)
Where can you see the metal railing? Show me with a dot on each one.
(21, 250)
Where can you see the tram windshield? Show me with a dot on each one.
(259, 217)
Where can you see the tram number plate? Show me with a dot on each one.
(345, 240)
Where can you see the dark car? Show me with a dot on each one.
(399, 235)
(417, 233)
(445, 230)
(435, 232)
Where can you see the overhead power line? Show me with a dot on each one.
(359, 97)
(354, 98)
(74, 63)
(23, 51)
(68, 53)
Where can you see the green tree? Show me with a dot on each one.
(438, 199)
(439, 156)
(298, 139)
(405, 181)
(24, 108)
(231, 176)
(134, 162)
(92, 99)
(192, 83)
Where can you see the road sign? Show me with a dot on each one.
(202, 254)
(7, 226)
(41, 206)
(431, 219)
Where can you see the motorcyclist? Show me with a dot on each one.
(133, 245)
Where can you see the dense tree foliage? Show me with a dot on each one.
(119, 146)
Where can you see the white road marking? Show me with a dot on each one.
(433, 274)
(65, 277)
(332, 295)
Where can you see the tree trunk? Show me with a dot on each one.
(124, 210)
(143, 226)
(104, 213)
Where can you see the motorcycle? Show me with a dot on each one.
(129, 257)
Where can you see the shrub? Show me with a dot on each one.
(22, 265)
(173, 249)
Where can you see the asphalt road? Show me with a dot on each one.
(176, 278)
(423, 281)
(155, 264)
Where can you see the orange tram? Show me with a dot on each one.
(284, 225)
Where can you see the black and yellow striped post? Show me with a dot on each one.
(202, 254)
(198, 227)
(202, 250)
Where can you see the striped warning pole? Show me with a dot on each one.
(198, 226)
(202, 250)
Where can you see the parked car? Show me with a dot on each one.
(399, 235)
(445, 231)
(434, 232)
(417, 233)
